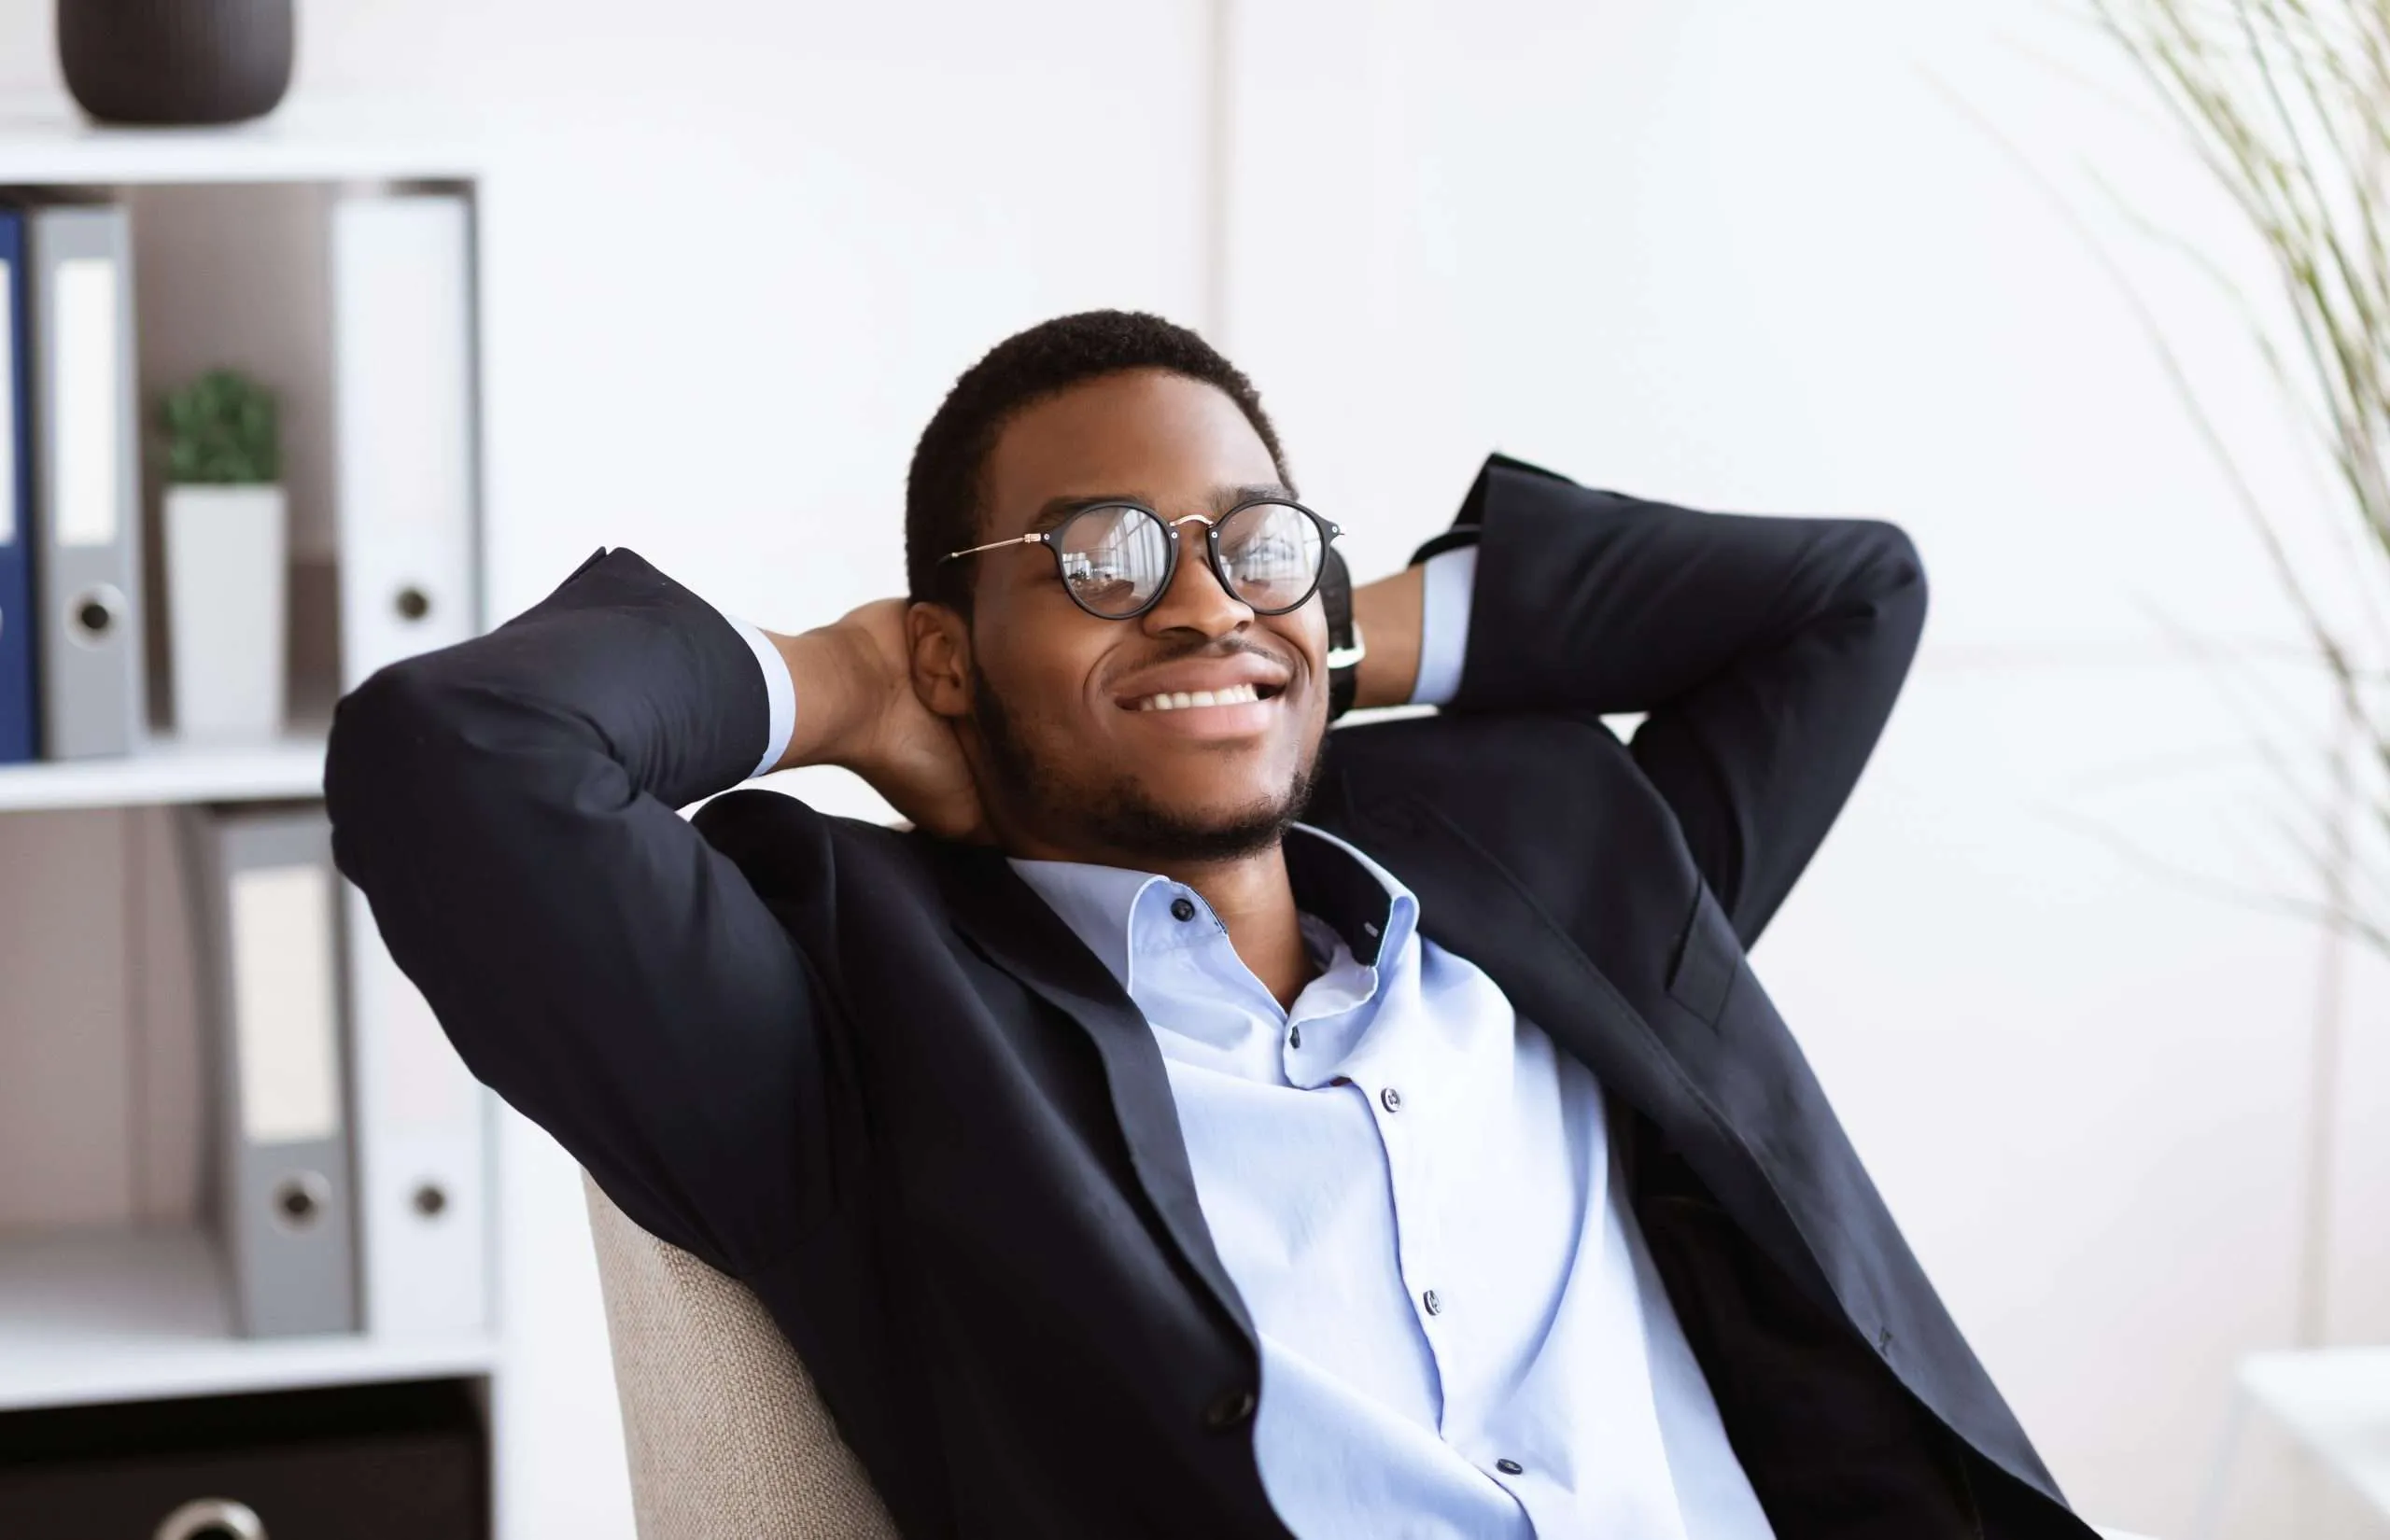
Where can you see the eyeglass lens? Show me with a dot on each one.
(1115, 559)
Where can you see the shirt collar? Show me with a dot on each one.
(1362, 901)
(1374, 914)
(1095, 901)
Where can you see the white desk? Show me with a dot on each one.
(2334, 1401)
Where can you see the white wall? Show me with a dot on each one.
(1728, 253)
(1764, 257)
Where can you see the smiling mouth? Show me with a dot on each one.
(1189, 700)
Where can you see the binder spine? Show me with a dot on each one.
(86, 483)
(423, 1143)
(286, 1201)
(401, 269)
(403, 416)
(18, 618)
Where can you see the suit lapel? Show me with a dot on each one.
(1473, 907)
(1015, 930)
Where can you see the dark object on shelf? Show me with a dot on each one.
(360, 1462)
(176, 61)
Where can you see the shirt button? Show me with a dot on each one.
(1294, 1037)
(1391, 1099)
(1510, 1467)
(1229, 1409)
(1182, 909)
(1432, 1304)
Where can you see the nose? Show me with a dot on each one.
(1196, 600)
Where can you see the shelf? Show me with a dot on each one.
(171, 771)
(56, 146)
(89, 1316)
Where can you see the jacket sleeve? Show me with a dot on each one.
(1766, 653)
(508, 805)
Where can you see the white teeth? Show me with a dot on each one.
(1179, 700)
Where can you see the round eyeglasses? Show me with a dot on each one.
(1117, 560)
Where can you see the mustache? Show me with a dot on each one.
(1222, 647)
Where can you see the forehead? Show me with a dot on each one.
(1159, 437)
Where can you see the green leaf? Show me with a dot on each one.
(222, 428)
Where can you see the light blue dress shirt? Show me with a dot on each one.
(1462, 1334)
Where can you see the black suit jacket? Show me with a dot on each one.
(870, 1073)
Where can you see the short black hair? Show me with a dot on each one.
(942, 491)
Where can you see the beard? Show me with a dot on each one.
(1120, 815)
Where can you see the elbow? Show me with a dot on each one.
(379, 762)
(1891, 573)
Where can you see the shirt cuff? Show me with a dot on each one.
(778, 689)
(1445, 597)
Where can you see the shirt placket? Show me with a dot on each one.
(1418, 1093)
(1396, 1089)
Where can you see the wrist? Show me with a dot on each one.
(829, 665)
(1387, 615)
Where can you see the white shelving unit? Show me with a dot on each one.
(90, 1316)
(136, 1307)
(60, 149)
(169, 771)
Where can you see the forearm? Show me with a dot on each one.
(619, 664)
(1587, 600)
(507, 804)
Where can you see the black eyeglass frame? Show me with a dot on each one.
(1328, 531)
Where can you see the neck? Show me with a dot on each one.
(1251, 893)
(1255, 899)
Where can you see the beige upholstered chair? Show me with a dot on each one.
(727, 1440)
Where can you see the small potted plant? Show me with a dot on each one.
(226, 548)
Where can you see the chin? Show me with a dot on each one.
(1148, 808)
(1159, 833)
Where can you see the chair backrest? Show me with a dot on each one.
(727, 1438)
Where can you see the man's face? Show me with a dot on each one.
(1069, 759)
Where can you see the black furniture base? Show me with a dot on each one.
(404, 1462)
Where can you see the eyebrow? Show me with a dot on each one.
(1053, 511)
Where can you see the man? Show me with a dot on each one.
(1126, 1159)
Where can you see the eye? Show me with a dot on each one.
(1112, 558)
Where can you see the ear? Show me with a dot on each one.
(940, 644)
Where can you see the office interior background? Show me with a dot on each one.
(1852, 257)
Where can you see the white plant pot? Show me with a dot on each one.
(226, 588)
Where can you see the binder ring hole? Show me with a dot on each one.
(431, 1200)
(412, 603)
(212, 1518)
(300, 1201)
(93, 617)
